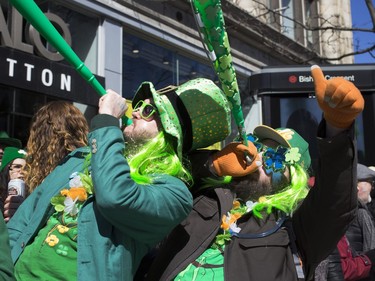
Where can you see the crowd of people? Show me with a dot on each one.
(147, 201)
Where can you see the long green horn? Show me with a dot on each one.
(210, 20)
(32, 13)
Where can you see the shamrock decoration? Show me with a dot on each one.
(293, 155)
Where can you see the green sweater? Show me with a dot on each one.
(116, 226)
(6, 265)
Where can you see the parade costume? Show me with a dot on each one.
(221, 241)
(269, 257)
(75, 228)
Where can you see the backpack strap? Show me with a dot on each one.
(279, 224)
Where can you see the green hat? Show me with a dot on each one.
(196, 114)
(7, 141)
(288, 138)
(11, 153)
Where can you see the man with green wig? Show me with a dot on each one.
(94, 217)
(266, 223)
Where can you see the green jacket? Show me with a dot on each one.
(6, 265)
(120, 223)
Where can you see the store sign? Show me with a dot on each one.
(309, 79)
(28, 64)
(13, 37)
(40, 75)
(285, 80)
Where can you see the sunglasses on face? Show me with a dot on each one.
(273, 158)
(146, 110)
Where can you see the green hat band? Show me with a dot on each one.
(183, 118)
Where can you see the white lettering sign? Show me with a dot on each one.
(307, 79)
(47, 76)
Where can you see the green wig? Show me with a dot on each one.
(287, 199)
(157, 156)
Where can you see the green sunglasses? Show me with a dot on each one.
(146, 110)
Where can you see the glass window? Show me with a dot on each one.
(303, 114)
(365, 131)
(298, 112)
(6, 99)
(21, 127)
(311, 20)
(145, 61)
(27, 102)
(83, 31)
(287, 22)
(190, 69)
(308, 22)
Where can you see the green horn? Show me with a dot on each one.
(31, 12)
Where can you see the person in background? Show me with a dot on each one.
(6, 264)
(98, 214)
(250, 228)
(5, 141)
(12, 167)
(57, 129)
(354, 256)
(371, 180)
(365, 183)
(51, 138)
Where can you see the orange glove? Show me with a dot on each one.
(231, 161)
(339, 99)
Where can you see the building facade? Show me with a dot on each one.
(126, 42)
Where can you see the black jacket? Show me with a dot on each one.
(318, 224)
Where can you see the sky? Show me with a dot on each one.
(361, 18)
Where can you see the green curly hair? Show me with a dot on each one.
(157, 156)
(288, 198)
